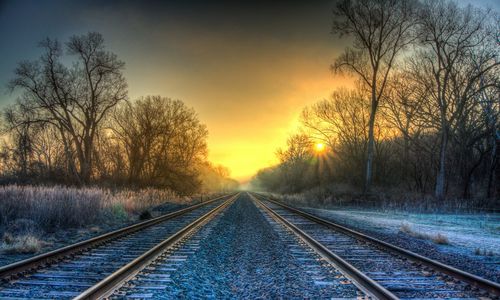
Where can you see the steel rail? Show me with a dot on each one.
(363, 282)
(53, 256)
(479, 282)
(107, 286)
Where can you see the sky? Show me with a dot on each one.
(247, 69)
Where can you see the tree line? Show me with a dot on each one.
(423, 115)
(74, 124)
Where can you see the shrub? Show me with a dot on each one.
(119, 212)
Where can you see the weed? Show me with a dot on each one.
(23, 244)
(405, 227)
(8, 238)
(94, 229)
(440, 239)
(437, 238)
(484, 252)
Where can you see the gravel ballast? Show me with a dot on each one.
(241, 254)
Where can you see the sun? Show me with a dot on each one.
(319, 147)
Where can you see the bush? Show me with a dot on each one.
(119, 212)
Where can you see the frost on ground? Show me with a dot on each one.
(475, 236)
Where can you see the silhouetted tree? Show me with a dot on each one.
(342, 123)
(163, 140)
(381, 29)
(454, 57)
(75, 100)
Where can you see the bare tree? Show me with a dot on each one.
(295, 162)
(342, 123)
(490, 103)
(406, 109)
(216, 178)
(75, 99)
(298, 149)
(427, 117)
(451, 36)
(163, 140)
(381, 30)
(489, 100)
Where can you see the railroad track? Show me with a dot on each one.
(92, 268)
(156, 274)
(381, 270)
(191, 271)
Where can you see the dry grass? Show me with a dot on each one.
(94, 229)
(30, 212)
(405, 228)
(436, 238)
(21, 244)
(137, 201)
(440, 239)
(50, 208)
(483, 252)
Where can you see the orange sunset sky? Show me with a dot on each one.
(247, 69)
(247, 81)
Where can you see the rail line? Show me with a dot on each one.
(380, 269)
(89, 268)
(178, 274)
